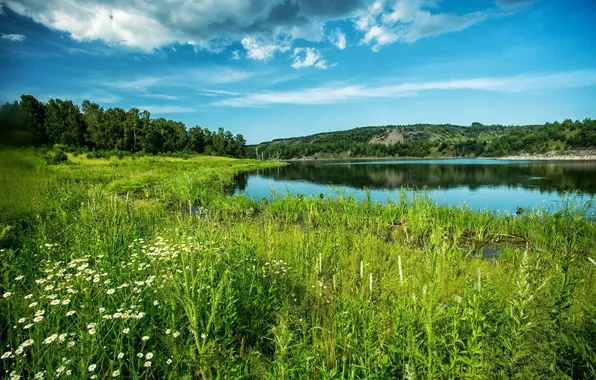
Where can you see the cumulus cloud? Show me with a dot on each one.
(262, 50)
(338, 38)
(13, 37)
(149, 24)
(308, 57)
(410, 20)
(334, 94)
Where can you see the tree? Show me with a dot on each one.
(32, 118)
(64, 123)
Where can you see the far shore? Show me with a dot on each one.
(549, 156)
(553, 156)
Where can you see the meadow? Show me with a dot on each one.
(144, 268)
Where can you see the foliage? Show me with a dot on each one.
(141, 267)
(33, 123)
(57, 157)
(423, 140)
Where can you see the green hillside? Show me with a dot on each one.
(426, 140)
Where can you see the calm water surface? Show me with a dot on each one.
(480, 184)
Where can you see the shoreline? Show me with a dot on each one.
(578, 155)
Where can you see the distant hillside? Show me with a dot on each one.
(426, 140)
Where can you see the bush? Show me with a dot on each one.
(56, 158)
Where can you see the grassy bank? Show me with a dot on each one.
(144, 269)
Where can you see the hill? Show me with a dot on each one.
(427, 140)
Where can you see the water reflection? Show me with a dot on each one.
(436, 174)
(480, 184)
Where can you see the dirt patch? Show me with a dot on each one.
(392, 136)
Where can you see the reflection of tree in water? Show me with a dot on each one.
(539, 175)
(240, 182)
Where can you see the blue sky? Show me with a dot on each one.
(281, 68)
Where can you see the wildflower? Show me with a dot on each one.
(28, 296)
(22, 320)
(92, 331)
(39, 375)
(111, 291)
(50, 339)
(92, 367)
(203, 336)
(66, 301)
(102, 309)
(147, 364)
(28, 342)
(28, 326)
(62, 338)
(60, 370)
(126, 330)
(55, 302)
(71, 344)
(49, 287)
(168, 331)
(145, 338)
(6, 295)
(69, 313)
(116, 373)
(176, 334)
(68, 373)
(149, 356)
(33, 304)
(121, 355)
(91, 325)
(6, 355)
(19, 350)
(140, 355)
(169, 361)
(38, 318)
(40, 312)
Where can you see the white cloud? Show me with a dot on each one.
(13, 37)
(307, 57)
(338, 38)
(261, 50)
(235, 55)
(150, 24)
(380, 35)
(165, 109)
(210, 92)
(187, 78)
(334, 94)
(410, 20)
(162, 96)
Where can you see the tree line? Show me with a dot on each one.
(30, 122)
(424, 140)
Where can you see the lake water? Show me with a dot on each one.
(480, 184)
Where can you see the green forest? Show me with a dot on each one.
(30, 122)
(423, 140)
(116, 132)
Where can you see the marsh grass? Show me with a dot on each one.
(144, 269)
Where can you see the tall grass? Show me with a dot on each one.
(144, 269)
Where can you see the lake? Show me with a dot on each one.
(497, 185)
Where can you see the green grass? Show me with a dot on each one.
(227, 287)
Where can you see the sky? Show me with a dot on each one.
(282, 68)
